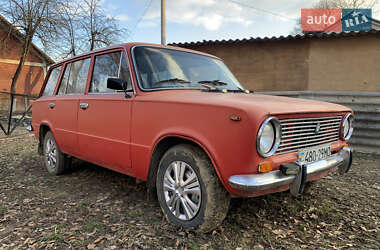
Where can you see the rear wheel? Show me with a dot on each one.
(189, 191)
(55, 161)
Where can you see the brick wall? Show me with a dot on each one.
(30, 80)
(265, 66)
(32, 74)
(345, 64)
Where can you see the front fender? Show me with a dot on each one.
(229, 144)
(192, 136)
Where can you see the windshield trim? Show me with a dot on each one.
(159, 89)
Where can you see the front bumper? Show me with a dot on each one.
(256, 182)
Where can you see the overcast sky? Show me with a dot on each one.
(197, 20)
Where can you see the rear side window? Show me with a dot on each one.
(111, 65)
(52, 81)
(75, 77)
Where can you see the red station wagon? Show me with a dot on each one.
(179, 120)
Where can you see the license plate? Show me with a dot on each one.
(314, 154)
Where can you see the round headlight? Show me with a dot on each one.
(347, 128)
(268, 137)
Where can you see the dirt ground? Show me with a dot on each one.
(94, 208)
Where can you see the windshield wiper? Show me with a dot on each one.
(220, 83)
(214, 82)
(173, 80)
(243, 90)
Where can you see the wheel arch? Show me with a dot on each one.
(159, 149)
(43, 129)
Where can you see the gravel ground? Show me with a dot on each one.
(94, 208)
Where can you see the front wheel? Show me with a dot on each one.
(189, 191)
(56, 162)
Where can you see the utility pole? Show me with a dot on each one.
(163, 23)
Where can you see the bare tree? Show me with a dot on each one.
(63, 27)
(83, 26)
(100, 29)
(30, 17)
(27, 19)
(69, 28)
(353, 4)
(68, 38)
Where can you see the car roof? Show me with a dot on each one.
(129, 46)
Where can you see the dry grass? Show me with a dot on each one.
(92, 207)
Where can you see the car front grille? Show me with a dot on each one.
(302, 132)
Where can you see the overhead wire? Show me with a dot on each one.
(261, 10)
(149, 3)
(147, 6)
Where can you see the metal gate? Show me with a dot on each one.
(15, 111)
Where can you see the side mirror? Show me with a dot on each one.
(115, 84)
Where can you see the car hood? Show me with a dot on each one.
(253, 102)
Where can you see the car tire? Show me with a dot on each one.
(56, 162)
(195, 199)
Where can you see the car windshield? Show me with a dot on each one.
(160, 68)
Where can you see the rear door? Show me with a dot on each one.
(104, 115)
(64, 107)
(42, 107)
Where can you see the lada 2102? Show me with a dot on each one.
(179, 120)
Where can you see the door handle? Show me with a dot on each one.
(52, 105)
(83, 105)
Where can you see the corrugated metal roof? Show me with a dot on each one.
(314, 35)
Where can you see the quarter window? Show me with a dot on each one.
(111, 65)
(75, 77)
(52, 81)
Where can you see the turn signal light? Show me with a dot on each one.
(265, 167)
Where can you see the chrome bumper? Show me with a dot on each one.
(256, 182)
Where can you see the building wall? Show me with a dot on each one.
(265, 66)
(32, 74)
(345, 64)
(333, 64)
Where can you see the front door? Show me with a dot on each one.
(104, 114)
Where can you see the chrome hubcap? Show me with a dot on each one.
(182, 190)
(51, 153)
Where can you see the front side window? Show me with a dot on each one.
(160, 68)
(75, 77)
(52, 81)
(111, 65)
